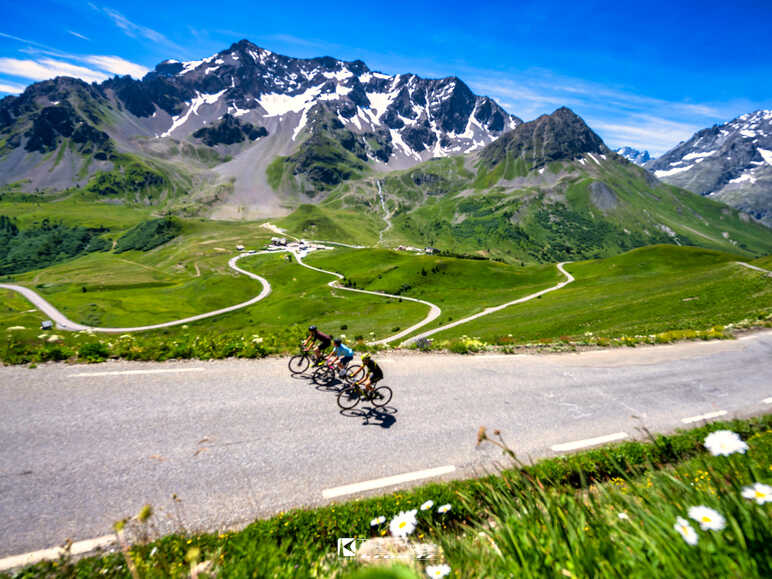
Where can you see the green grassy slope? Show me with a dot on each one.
(765, 262)
(565, 210)
(644, 291)
(460, 287)
(163, 284)
(301, 296)
(72, 211)
(327, 224)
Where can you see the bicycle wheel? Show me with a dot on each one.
(354, 373)
(299, 364)
(323, 375)
(381, 396)
(349, 397)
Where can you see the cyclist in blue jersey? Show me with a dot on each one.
(341, 355)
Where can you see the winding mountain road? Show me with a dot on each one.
(434, 310)
(84, 445)
(493, 309)
(64, 323)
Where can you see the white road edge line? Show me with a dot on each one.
(386, 482)
(703, 416)
(767, 401)
(128, 372)
(55, 552)
(589, 442)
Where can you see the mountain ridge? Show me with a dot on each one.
(398, 120)
(729, 162)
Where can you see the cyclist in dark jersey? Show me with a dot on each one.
(324, 341)
(373, 372)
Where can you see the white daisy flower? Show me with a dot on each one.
(759, 492)
(403, 524)
(377, 521)
(709, 519)
(724, 443)
(443, 509)
(686, 530)
(623, 516)
(438, 570)
(427, 505)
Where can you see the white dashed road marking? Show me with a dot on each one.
(386, 482)
(128, 372)
(703, 416)
(589, 442)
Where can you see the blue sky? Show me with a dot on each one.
(644, 74)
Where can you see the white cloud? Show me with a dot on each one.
(10, 88)
(654, 134)
(48, 68)
(116, 65)
(134, 30)
(131, 28)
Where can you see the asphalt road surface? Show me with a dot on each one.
(84, 446)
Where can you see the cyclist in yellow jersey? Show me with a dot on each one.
(373, 372)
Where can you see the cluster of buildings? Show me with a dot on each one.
(301, 247)
(426, 250)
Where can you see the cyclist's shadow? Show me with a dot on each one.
(383, 417)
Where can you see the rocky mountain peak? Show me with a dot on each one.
(731, 162)
(634, 155)
(562, 135)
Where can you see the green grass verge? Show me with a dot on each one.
(534, 520)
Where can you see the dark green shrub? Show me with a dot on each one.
(93, 352)
(149, 234)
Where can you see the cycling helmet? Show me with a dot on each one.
(366, 356)
(311, 328)
(338, 341)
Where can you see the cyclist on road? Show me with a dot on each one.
(341, 355)
(314, 336)
(373, 372)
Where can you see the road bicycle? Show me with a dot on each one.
(300, 362)
(328, 371)
(351, 395)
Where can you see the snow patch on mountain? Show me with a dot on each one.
(673, 171)
(766, 155)
(278, 104)
(195, 104)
